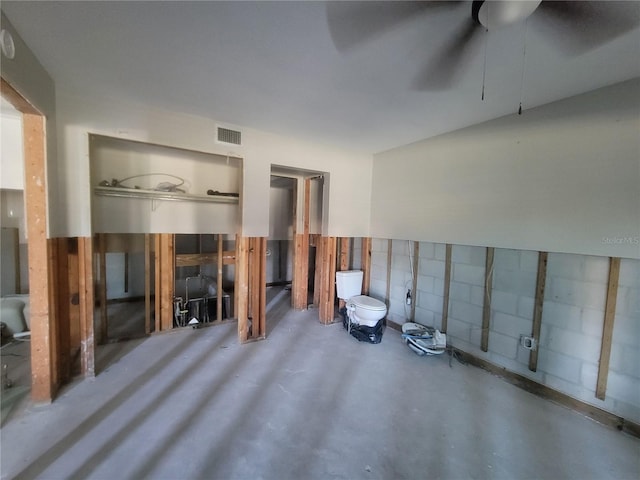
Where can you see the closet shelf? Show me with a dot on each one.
(159, 195)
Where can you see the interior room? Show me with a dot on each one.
(320, 239)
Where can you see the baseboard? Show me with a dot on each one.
(531, 386)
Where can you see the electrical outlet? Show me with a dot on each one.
(527, 342)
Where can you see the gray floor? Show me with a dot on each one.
(310, 402)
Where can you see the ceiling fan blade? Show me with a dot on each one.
(441, 72)
(580, 26)
(354, 23)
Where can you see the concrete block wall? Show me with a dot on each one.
(572, 318)
(430, 294)
(378, 276)
(355, 262)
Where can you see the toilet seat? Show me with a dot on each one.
(367, 303)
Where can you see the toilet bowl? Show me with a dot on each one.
(361, 309)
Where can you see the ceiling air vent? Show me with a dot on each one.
(226, 135)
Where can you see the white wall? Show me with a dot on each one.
(11, 150)
(564, 177)
(25, 74)
(348, 205)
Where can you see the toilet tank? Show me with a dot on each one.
(349, 283)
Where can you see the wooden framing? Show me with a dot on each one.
(319, 244)
(64, 308)
(164, 281)
(345, 246)
(387, 297)
(147, 283)
(220, 264)
(366, 265)
(257, 283)
(241, 290)
(73, 282)
(447, 283)
(327, 280)
(414, 280)
(102, 266)
(486, 306)
(300, 283)
(537, 308)
(85, 279)
(607, 327)
(196, 259)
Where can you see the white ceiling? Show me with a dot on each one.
(274, 66)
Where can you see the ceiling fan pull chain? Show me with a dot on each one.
(484, 68)
(524, 58)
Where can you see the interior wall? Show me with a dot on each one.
(348, 207)
(572, 315)
(564, 177)
(26, 75)
(279, 264)
(11, 150)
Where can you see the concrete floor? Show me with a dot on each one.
(309, 402)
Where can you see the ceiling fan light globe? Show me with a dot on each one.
(500, 13)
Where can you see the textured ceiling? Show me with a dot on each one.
(275, 66)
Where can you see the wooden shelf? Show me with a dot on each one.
(159, 195)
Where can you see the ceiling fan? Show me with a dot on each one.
(575, 27)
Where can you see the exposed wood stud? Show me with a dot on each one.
(197, 259)
(345, 245)
(220, 292)
(64, 307)
(102, 265)
(242, 287)
(414, 281)
(168, 279)
(328, 290)
(317, 282)
(537, 308)
(85, 277)
(74, 296)
(262, 315)
(387, 298)
(486, 307)
(147, 283)
(607, 327)
(300, 284)
(158, 281)
(366, 265)
(447, 282)
(54, 319)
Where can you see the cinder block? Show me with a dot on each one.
(525, 307)
(625, 360)
(477, 295)
(523, 355)
(592, 322)
(626, 330)
(573, 292)
(596, 269)
(573, 389)
(378, 288)
(401, 247)
(461, 254)
(510, 325)
(433, 268)
(505, 259)
(425, 283)
(504, 302)
(503, 345)
(565, 265)
(440, 251)
(562, 315)
(589, 376)
(427, 250)
(465, 312)
(379, 259)
(559, 365)
(460, 291)
(425, 317)
(623, 387)
(514, 281)
(430, 302)
(629, 273)
(438, 286)
(575, 344)
(379, 245)
(457, 329)
(401, 262)
(378, 272)
(628, 301)
(529, 261)
(470, 274)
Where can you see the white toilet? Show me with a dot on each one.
(361, 309)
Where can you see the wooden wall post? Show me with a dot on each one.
(257, 286)
(327, 284)
(345, 245)
(219, 292)
(447, 283)
(317, 282)
(300, 283)
(486, 307)
(64, 308)
(537, 308)
(147, 283)
(102, 285)
(366, 265)
(165, 279)
(242, 287)
(607, 327)
(74, 295)
(85, 277)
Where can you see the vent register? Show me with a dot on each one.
(232, 137)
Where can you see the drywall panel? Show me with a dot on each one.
(281, 213)
(27, 76)
(564, 177)
(347, 212)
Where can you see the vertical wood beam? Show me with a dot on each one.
(366, 265)
(54, 319)
(167, 275)
(317, 282)
(537, 308)
(328, 290)
(345, 244)
(414, 280)
(74, 294)
(486, 307)
(387, 298)
(262, 300)
(42, 317)
(242, 287)
(447, 283)
(220, 292)
(147, 283)
(607, 327)
(85, 276)
(158, 281)
(300, 284)
(102, 265)
(64, 308)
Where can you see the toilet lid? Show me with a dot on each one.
(368, 303)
